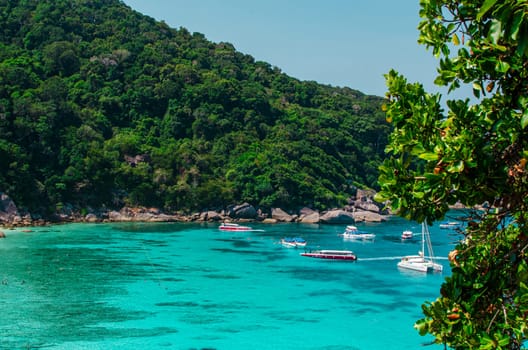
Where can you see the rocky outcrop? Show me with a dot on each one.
(281, 216)
(8, 210)
(337, 216)
(243, 211)
(142, 215)
(91, 218)
(309, 216)
(366, 206)
(368, 216)
(364, 195)
(361, 209)
(211, 216)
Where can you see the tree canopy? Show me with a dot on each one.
(103, 106)
(475, 153)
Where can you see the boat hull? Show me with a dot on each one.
(352, 233)
(418, 263)
(406, 235)
(331, 255)
(234, 227)
(359, 236)
(450, 225)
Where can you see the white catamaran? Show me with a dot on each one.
(420, 262)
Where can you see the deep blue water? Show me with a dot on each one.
(190, 286)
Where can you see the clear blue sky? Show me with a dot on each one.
(338, 42)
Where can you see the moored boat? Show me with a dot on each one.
(450, 225)
(352, 232)
(293, 242)
(420, 262)
(407, 234)
(331, 254)
(228, 226)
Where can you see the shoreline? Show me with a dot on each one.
(245, 214)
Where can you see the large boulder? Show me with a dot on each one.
(280, 215)
(210, 216)
(118, 216)
(308, 216)
(364, 195)
(242, 211)
(8, 210)
(91, 218)
(337, 217)
(368, 216)
(367, 205)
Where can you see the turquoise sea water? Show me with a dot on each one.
(190, 286)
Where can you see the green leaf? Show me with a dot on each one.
(428, 156)
(522, 48)
(517, 20)
(417, 150)
(456, 167)
(455, 40)
(524, 119)
(502, 67)
(380, 197)
(495, 31)
(488, 4)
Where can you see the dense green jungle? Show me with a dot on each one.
(101, 106)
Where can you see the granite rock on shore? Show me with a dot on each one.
(245, 212)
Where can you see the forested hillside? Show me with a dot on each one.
(103, 106)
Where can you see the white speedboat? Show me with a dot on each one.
(407, 234)
(450, 225)
(293, 242)
(352, 232)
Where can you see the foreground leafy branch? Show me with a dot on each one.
(475, 153)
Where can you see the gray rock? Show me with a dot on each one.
(368, 216)
(312, 218)
(243, 211)
(91, 218)
(8, 209)
(365, 194)
(269, 221)
(117, 216)
(308, 216)
(210, 216)
(306, 211)
(280, 215)
(337, 217)
(367, 205)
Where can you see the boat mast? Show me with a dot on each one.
(426, 235)
(424, 227)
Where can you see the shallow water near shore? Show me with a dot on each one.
(191, 286)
